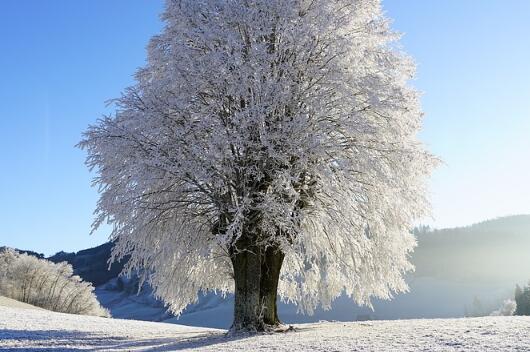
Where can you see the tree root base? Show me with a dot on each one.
(266, 329)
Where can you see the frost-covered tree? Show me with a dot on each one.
(45, 284)
(268, 147)
(507, 308)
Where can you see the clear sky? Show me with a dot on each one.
(60, 60)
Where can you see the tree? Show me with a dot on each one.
(39, 282)
(507, 308)
(268, 147)
(522, 300)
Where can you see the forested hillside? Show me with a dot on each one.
(495, 251)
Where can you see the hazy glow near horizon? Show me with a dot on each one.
(62, 60)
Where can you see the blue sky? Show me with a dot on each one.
(60, 60)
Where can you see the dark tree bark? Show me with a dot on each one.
(256, 276)
(246, 262)
(270, 274)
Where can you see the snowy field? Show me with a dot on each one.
(8, 302)
(39, 330)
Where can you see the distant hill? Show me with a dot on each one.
(35, 254)
(91, 264)
(460, 271)
(494, 251)
(491, 251)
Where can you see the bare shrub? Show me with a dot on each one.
(47, 285)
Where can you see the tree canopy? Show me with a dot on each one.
(290, 123)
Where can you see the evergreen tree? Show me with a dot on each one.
(522, 299)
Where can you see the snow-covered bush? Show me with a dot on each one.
(507, 308)
(45, 284)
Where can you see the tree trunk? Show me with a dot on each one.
(270, 274)
(256, 275)
(246, 262)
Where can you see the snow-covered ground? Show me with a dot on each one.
(43, 330)
(8, 302)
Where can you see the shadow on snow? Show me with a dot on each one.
(64, 340)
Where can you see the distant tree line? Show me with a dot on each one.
(45, 284)
(522, 299)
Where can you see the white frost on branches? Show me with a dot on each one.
(45, 284)
(507, 308)
(292, 115)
